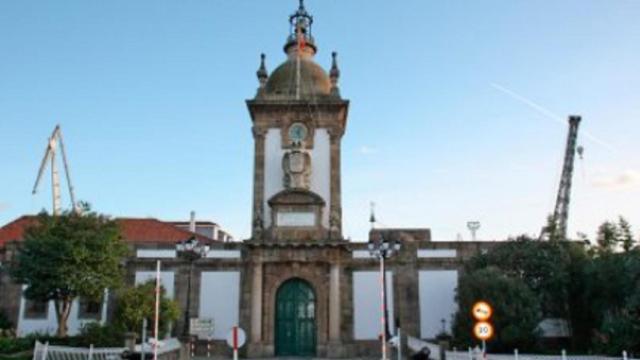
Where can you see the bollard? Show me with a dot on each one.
(470, 354)
(443, 347)
(130, 341)
(185, 348)
(515, 354)
(143, 340)
(45, 350)
(564, 354)
(624, 355)
(399, 346)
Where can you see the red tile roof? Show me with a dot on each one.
(132, 230)
(154, 231)
(14, 230)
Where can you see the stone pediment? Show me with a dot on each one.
(296, 215)
(293, 197)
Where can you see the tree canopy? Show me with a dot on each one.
(137, 303)
(516, 308)
(70, 255)
(542, 266)
(595, 286)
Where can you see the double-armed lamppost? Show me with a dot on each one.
(191, 250)
(382, 250)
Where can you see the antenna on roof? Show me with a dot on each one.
(473, 227)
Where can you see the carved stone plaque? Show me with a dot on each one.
(296, 219)
(297, 162)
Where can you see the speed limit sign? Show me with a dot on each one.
(483, 330)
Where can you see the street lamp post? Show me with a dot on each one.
(383, 250)
(191, 250)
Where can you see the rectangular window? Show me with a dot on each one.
(89, 309)
(36, 309)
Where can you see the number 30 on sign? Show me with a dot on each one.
(483, 330)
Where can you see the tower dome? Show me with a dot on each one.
(299, 77)
(314, 80)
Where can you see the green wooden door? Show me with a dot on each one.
(295, 319)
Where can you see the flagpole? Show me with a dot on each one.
(301, 45)
(157, 313)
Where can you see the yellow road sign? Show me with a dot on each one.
(482, 311)
(483, 330)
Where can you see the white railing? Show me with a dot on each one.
(50, 352)
(476, 354)
(164, 346)
(416, 345)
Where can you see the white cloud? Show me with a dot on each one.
(627, 179)
(366, 150)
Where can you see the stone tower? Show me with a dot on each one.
(298, 120)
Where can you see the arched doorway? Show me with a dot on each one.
(295, 332)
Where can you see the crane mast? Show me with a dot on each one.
(561, 211)
(55, 141)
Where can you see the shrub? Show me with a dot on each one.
(102, 335)
(14, 345)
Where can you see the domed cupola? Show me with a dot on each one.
(299, 77)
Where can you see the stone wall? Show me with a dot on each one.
(263, 267)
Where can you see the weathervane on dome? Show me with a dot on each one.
(301, 14)
(300, 31)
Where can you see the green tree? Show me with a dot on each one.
(625, 235)
(137, 303)
(579, 314)
(613, 290)
(542, 265)
(608, 236)
(67, 256)
(516, 308)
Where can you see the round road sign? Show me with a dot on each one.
(483, 330)
(482, 311)
(236, 338)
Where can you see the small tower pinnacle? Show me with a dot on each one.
(262, 73)
(334, 73)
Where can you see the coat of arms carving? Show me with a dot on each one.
(296, 164)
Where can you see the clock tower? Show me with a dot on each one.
(298, 121)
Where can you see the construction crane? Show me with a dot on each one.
(557, 229)
(55, 140)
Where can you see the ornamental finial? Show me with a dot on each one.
(262, 73)
(301, 17)
(334, 73)
(300, 29)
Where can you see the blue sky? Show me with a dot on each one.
(457, 107)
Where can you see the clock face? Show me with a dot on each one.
(297, 132)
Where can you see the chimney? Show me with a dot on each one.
(192, 222)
